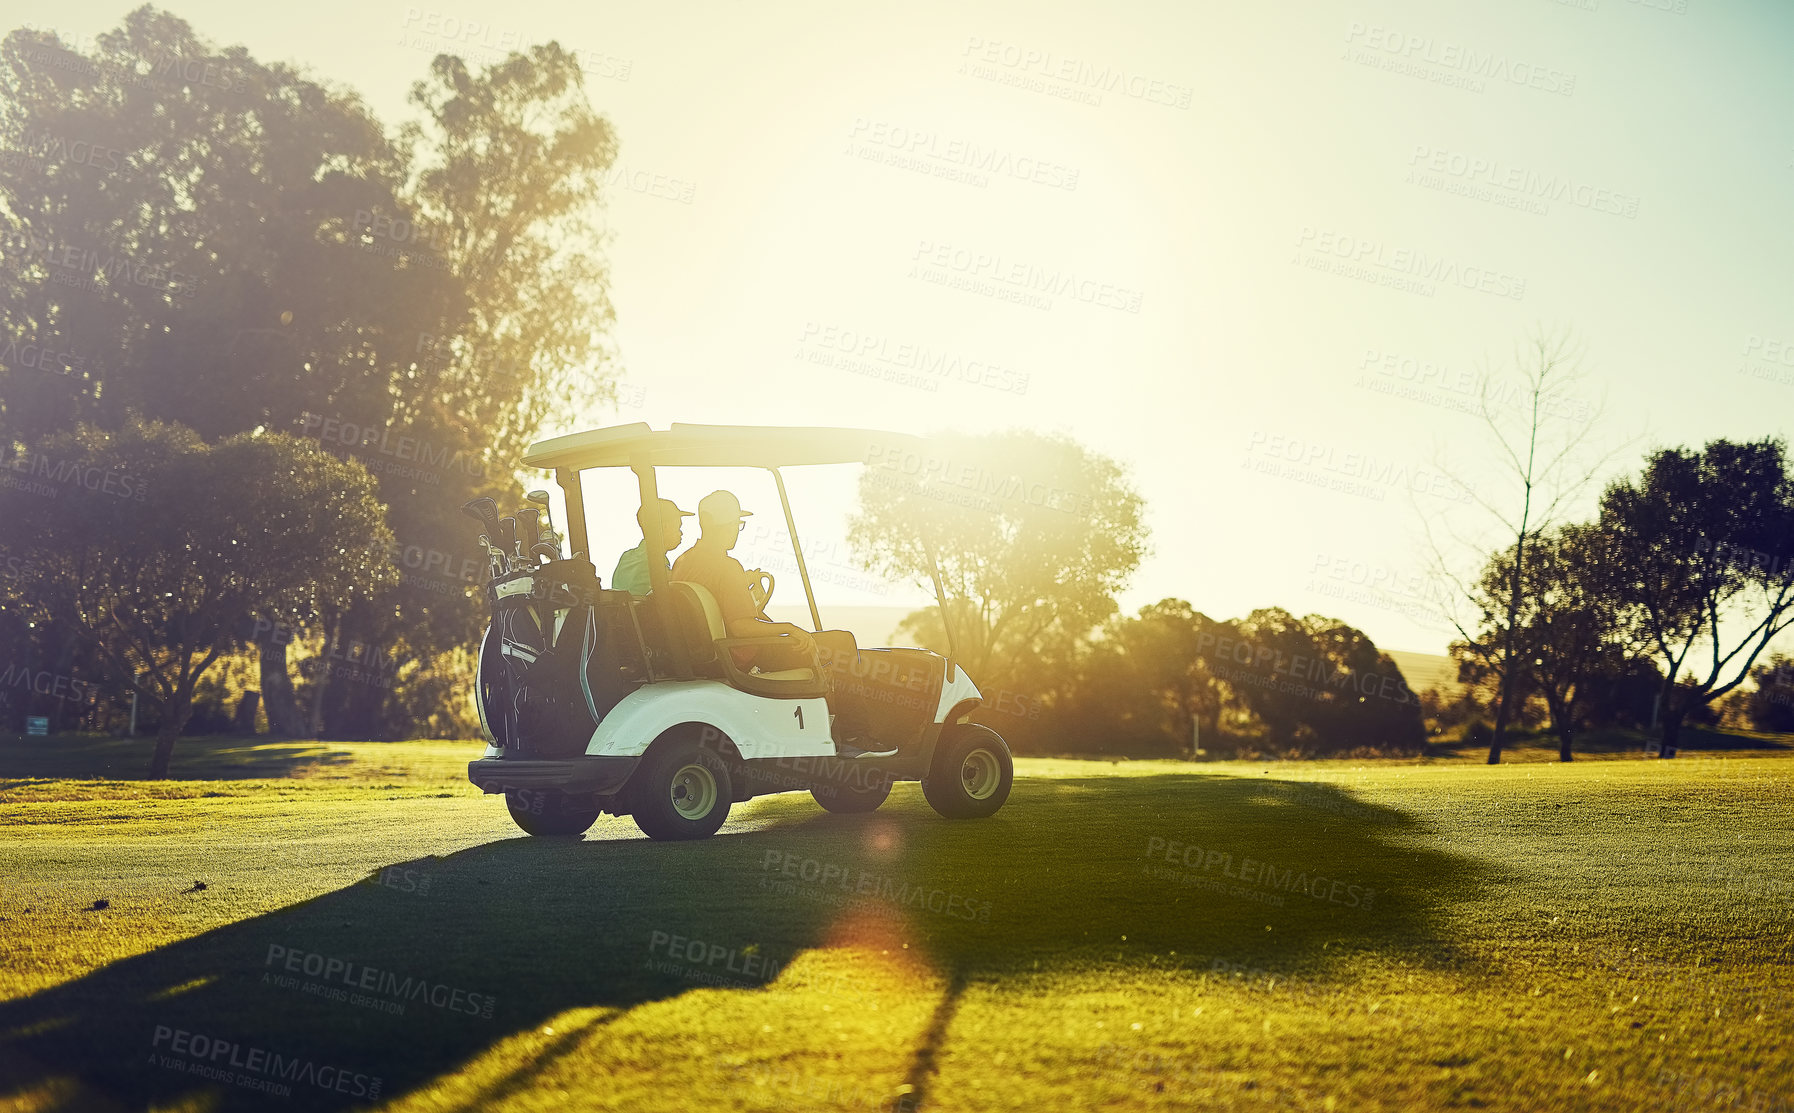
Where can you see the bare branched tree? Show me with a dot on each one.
(1539, 428)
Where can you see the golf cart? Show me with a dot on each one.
(596, 700)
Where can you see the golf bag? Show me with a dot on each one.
(550, 666)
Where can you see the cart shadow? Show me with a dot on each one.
(1068, 875)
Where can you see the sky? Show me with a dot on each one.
(1278, 244)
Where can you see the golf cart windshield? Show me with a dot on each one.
(642, 449)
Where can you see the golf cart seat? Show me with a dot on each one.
(712, 649)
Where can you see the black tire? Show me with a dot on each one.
(972, 772)
(680, 791)
(551, 814)
(846, 800)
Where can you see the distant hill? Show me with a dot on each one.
(1426, 670)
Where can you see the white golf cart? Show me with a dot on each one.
(597, 700)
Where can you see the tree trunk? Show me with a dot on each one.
(333, 630)
(1507, 652)
(1563, 724)
(278, 699)
(175, 714)
(164, 748)
(1672, 731)
(1667, 717)
(1507, 689)
(243, 722)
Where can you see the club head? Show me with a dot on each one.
(540, 498)
(485, 511)
(507, 536)
(529, 529)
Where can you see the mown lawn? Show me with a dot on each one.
(1612, 934)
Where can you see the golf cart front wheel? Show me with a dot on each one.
(681, 791)
(972, 772)
(551, 814)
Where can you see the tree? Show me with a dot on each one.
(1703, 542)
(1142, 684)
(1317, 683)
(154, 564)
(1538, 431)
(509, 171)
(1163, 642)
(192, 244)
(1563, 635)
(211, 240)
(1625, 697)
(1034, 535)
(507, 193)
(1573, 624)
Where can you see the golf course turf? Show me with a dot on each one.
(354, 924)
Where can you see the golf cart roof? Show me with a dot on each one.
(754, 446)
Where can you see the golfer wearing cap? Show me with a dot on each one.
(632, 567)
(720, 518)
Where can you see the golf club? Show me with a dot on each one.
(529, 535)
(549, 537)
(507, 541)
(495, 559)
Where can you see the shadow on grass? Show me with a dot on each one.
(1533, 746)
(1063, 874)
(1700, 738)
(210, 758)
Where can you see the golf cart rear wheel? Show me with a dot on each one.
(680, 791)
(843, 800)
(551, 814)
(972, 772)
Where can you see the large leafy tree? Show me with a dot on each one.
(1703, 547)
(505, 190)
(1033, 535)
(155, 563)
(212, 240)
(1314, 684)
(1563, 634)
(1580, 651)
(508, 166)
(1172, 679)
(1139, 685)
(202, 266)
(1319, 684)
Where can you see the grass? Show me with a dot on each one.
(1609, 935)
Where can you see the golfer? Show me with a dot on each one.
(720, 518)
(632, 567)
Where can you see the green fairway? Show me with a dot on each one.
(1612, 934)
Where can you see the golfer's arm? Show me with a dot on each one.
(760, 628)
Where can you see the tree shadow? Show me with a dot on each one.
(87, 757)
(1700, 738)
(1070, 874)
(1626, 742)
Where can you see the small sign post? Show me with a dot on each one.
(37, 724)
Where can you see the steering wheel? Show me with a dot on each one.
(760, 584)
